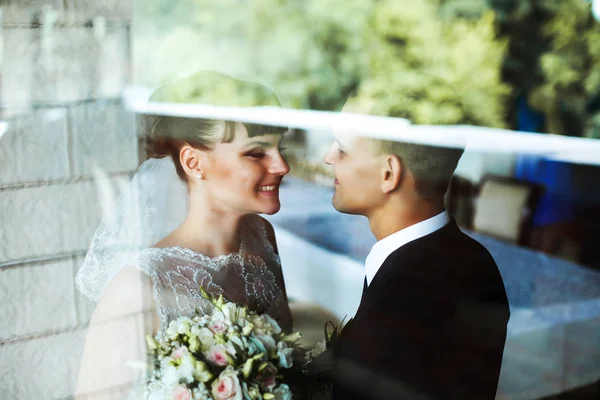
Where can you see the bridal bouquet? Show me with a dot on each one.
(233, 354)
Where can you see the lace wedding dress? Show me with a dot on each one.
(250, 277)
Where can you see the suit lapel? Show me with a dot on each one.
(362, 300)
(369, 292)
(364, 293)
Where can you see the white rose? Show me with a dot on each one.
(184, 325)
(207, 338)
(231, 311)
(170, 375)
(187, 369)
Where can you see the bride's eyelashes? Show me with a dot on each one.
(256, 154)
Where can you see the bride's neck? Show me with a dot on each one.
(211, 231)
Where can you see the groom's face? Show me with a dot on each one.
(357, 170)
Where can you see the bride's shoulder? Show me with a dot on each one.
(126, 293)
(264, 227)
(258, 223)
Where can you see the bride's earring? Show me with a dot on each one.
(199, 176)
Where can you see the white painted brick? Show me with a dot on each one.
(36, 299)
(73, 65)
(59, 69)
(104, 136)
(121, 10)
(21, 12)
(16, 68)
(109, 348)
(66, 68)
(114, 62)
(49, 368)
(41, 369)
(47, 220)
(34, 148)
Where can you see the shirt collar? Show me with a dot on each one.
(386, 246)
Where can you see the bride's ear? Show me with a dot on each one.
(192, 161)
(391, 172)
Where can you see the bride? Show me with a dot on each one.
(188, 218)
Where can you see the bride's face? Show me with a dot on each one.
(244, 175)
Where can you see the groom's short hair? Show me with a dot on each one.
(431, 166)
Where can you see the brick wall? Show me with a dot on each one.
(61, 75)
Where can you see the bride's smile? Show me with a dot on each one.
(243, 175)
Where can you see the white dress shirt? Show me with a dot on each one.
(386, 246)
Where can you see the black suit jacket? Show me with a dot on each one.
(431, 325)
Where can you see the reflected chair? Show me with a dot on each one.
(504, 208)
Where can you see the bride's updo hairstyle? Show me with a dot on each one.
(166, 135)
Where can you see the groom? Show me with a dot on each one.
(432, 318)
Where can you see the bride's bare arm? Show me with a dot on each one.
(115, 341)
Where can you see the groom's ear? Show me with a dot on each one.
(391, 173)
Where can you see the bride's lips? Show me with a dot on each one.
(269, 190)
(336, 181)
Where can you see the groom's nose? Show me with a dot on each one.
(328, 157)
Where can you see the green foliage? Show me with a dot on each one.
(308, 52)
(210, 87)
(434, 70)
(571, 67)
(315, 53)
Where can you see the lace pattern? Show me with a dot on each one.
(248, 277)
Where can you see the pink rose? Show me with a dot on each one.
(227, 387)
(181, 393)
(218, 327)
(218, 355)
(179, 353)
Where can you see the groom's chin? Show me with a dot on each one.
(339, 206)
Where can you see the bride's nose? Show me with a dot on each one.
(278, 166)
